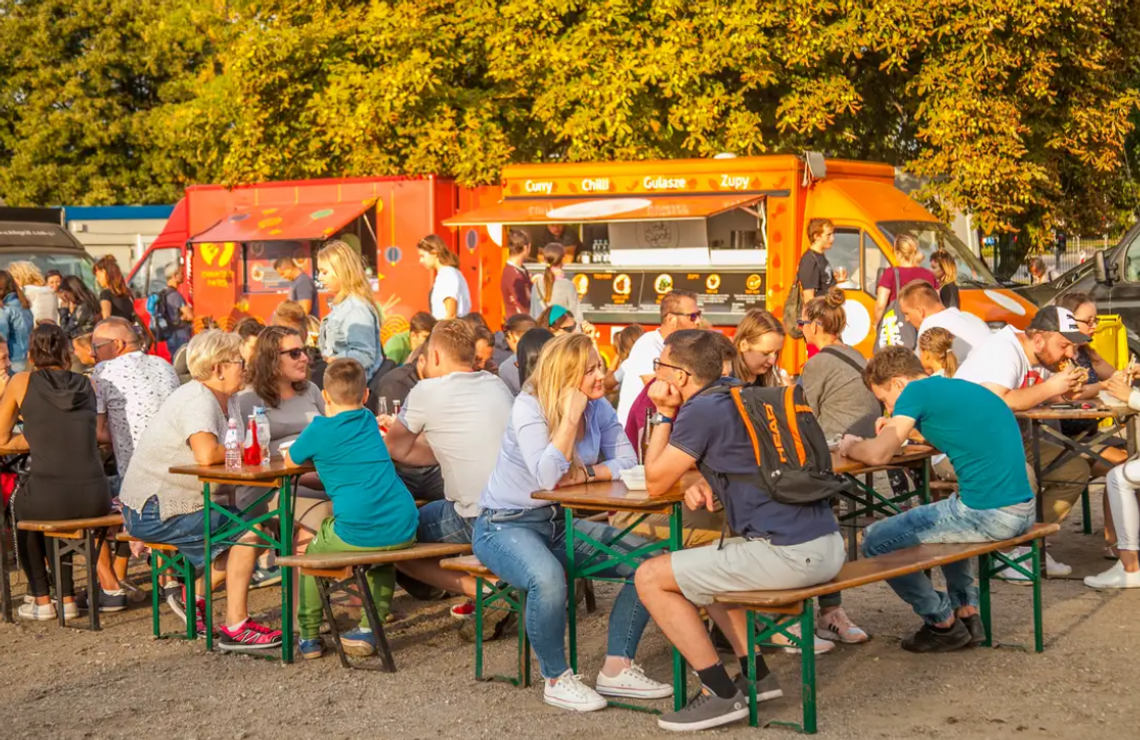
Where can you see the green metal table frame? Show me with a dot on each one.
(236, 527)
(160, 561)
(606, 556)
(514, 600)
(763, 626)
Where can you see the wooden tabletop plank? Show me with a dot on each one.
(218, 473)
(1044, 413)
(906, 456)
(614, 496)
(882, 567)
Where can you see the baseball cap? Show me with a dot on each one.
(1060, 320)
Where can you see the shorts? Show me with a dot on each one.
(752, 565)
(440, 522)
(187, 532)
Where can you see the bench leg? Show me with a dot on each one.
(591, 600)
(374, 621)
(984, 566)
(753, 710)
(1086, 512)
(479, 628)
(189, 578)
(5, 584)
(807, 654)
(326, 606)
(1038, 627)
(92, 544)
(524, 641)
(156, 597)
(56, 567)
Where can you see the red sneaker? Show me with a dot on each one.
(463, 611)
(248, 636)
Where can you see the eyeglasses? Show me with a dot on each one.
(239, 362)
(659, 364)
(294, 354)
(694, 317)
(801, 323)
(1091, 323)
(100, 345)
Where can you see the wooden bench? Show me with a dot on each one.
(490, 592)
(797, 603)
(162, 558)
(344, 572)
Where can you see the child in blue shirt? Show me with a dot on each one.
(372, 510)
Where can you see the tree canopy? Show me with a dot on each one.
(1016, 112)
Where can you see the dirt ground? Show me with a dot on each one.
(121, 683)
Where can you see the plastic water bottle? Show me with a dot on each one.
(262, 433)
(233, 447)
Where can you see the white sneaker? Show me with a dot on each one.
(632, 683)
(568, 692)
(45, 612)
(821, 645)
(1053, 569)
(1114, 577)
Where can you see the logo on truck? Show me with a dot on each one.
(223, 253)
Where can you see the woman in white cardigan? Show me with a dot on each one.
(1121, 487)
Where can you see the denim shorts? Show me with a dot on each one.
(440, 522)
(187, 532)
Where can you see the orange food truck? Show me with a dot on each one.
(731, 230)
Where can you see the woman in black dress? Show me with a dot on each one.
(115, 298)
(66, 479)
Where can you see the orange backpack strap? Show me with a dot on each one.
(793, 424)
(739, 401)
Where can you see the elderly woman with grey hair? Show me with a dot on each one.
(158, 506)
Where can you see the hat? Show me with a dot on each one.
(1060, 320)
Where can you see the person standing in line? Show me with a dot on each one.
(515, 283)
(352, 328)
(41, 298)
(178, 312)
(814, 272)
(115, 298)
(80, 308)
(54, 279)
(15, 321)
(894, 278)
(302, 289)
(553, 288)
(945, 269)
(450, 297)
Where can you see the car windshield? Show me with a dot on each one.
(68, 263)
(932, 236)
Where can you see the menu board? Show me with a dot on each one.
(627, 291)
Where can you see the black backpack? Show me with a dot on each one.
(793, 461)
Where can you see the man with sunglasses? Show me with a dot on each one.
(679, 310)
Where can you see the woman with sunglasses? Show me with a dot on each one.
(562, 432)
(833, 383)
(558, 321)
(759, 339)
(278, 381)
(159, 506)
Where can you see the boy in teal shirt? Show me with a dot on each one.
(372, 510)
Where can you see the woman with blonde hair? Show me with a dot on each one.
(936, 352)
(42, 299)
(759, 339)
(450, 298)
(16, 321)
(909, 260)
(562, 432)
(945, 269)
(352, 328)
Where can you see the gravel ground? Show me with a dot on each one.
(122, 683)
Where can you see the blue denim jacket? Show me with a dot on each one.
(16, 329)
(351, 330)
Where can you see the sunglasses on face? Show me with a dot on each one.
(694, 317)
(294, 354)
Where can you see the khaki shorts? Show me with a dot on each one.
(751, 565)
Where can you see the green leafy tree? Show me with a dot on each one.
(79, 80)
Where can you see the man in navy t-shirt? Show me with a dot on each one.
(994, 501)
(302, 289)
(780, 546)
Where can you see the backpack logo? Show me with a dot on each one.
(774, 430)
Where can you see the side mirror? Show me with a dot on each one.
(1101, 269)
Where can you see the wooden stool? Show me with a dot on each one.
(82, 537)
(163, 556)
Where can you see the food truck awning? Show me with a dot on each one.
(281, 223)
(603, 210)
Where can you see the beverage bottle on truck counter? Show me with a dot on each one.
(262, 432)
(233, 447)
(251, 452)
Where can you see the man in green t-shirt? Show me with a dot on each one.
(400, 347)
(994, 501)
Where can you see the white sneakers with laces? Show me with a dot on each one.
(632, 683)
(821, 646)
(568, 692)
(1053, 569)
(1113, 578)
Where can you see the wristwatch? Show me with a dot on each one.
(660, 418)
(590, 474)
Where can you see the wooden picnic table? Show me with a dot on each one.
(1084, 444)
(275, 476)
(615, 496)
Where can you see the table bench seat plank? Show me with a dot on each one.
(467, 564)
(338, 560)
(69, 526)
(882, 568)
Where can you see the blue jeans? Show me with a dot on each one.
(187, 532)
(946, 521)
(527, 549)
(439, 522)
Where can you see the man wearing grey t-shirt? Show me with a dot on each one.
(454, 417)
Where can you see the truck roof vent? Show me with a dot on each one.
(816, 167)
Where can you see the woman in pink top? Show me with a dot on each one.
(894, 278)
